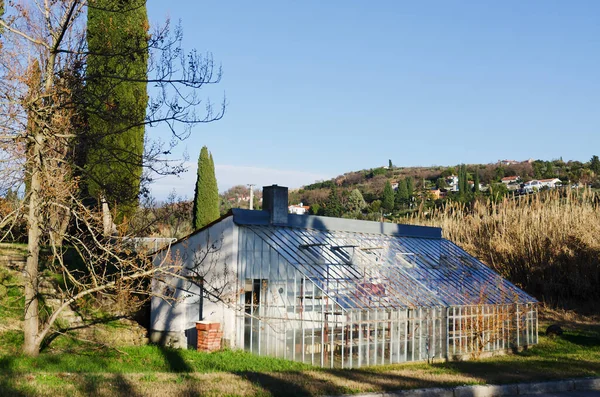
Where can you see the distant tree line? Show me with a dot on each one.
(394, 192)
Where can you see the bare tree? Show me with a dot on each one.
(43, 43)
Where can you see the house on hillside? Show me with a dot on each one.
(532, 186)
(550, 183)
(298, 209)
(452, 182)
(507, 162)
(472, 185)
(336, 292)
(438, 193)
(508, 180)
(536, 185)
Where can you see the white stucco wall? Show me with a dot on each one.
(212, 254)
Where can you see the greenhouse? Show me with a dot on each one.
(346, 293)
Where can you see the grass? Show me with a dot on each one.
(144, 359)
(154, 371)
(13, 248)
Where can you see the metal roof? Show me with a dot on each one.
(362, 270)
(248, 217)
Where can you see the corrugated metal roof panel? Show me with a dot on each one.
(369, 270)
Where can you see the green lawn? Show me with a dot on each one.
(82, 369)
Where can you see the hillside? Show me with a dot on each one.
(438, 183)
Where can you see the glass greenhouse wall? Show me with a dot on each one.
(347, 300)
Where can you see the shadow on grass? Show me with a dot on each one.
(8, 387)
(388, 381)
(175, 360)
(532, 369)
(581, 340)
(336, 382)
(277, 386)
(106, 384)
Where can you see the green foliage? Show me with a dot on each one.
(315, 209)
(206, 193)
(355, 201)
(462, 179)
(333, 206)
(448, 172)
(376, 171)
(116, 70)
(12, 301)
(440, 183)
(498, 190)
(500, 173)
(476, 182)
(387, 201)
(595, 165)
(538, 169)
(320, 185)
(402, 195)
(549, 173)
(11, 341)
(410, 186)
(375, 207)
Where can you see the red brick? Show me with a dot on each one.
(209, 336)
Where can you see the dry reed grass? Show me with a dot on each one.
(548, 243)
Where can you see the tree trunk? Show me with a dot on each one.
(59, 222)
(109, 226)
(31, 346)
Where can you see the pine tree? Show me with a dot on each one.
(116, 70)
(410, 187)
(333, 206)
(476, 182)
(402, 193)
(206, 194)
(356, 201)
(388, 197)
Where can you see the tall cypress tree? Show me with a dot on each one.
(402, 193)
(476, 182)
(462, 179)
(116, 74)
(410, 187)
(333, 206)
(206, 194)
(388, 197)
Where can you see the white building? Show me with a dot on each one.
(507, 180)
(551, 183)
(452, 182)
(299, 209)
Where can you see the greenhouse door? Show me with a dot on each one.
(251, 309)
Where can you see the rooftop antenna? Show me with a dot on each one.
(251, 186)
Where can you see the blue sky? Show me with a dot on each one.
(319, 88)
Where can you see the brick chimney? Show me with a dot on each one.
(275, 201)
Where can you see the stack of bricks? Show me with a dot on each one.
(209, 336)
